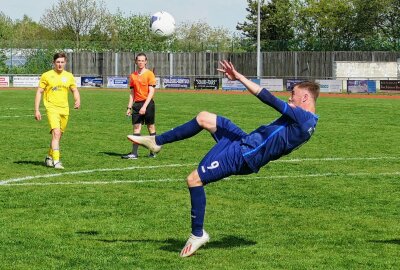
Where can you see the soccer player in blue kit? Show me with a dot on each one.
(235, 151)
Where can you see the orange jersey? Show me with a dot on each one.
(140, 84)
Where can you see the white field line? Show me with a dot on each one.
(111, 182)
(53, 175)
(334, 159)
(18, 116)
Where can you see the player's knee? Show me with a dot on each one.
(206, 120)
(202, 117)
(57, 133)
(193, 180)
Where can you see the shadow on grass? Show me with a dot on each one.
(30, 162)
(389, 241)
(87, 232)
(113, 154)
(173, 245)
(230, 241)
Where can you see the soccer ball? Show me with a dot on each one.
(162, 23)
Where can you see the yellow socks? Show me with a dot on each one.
(56, 155)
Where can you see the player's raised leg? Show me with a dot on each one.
(204, 120)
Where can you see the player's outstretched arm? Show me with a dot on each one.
(232, 74)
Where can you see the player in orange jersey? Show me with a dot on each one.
(141, 104)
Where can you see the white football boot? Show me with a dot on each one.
(129, 156)
(48, 161)
(194, 243)
(147, 141)
(58, 165)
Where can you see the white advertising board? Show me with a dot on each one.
(4, 81)
(117, 82)
(330, 86)
(26, 81)
(272, 84)
(365, 70)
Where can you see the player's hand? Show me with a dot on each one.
(142, 111)
(228, 69)
(38, 116)
(77, 105)
(128, 112)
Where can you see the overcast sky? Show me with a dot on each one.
(217, 13)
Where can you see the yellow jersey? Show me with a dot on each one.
(56, 87)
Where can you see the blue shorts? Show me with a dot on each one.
(225, 158)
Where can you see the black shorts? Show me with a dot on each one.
(148, 118)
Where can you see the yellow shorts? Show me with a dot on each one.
(57, 120)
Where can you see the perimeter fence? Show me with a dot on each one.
(287, 66)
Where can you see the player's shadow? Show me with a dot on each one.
(113, 154)
(226, 242)
(389, 241)
(173, 245)
(87, 232)
(30, 162)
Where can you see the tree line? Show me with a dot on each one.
(286, 25)
(325, 25)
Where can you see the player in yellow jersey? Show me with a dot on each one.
(54, 85)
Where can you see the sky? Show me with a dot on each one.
(216, 13)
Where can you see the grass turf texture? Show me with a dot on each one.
(333, 204)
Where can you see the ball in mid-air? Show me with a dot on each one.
(162, 23)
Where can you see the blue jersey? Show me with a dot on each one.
(279, 138)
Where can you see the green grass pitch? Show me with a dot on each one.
(332, 204)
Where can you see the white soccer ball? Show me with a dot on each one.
(162, 23)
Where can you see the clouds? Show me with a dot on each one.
(217, 13)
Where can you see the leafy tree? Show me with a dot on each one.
(3, 66)
(276, 19)
(133, 33)
(324, 24)
(75, 18)
(199, 36)
(28, 33)
(5, 27)
(390, 23)
(39, 61)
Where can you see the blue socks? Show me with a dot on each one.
(198, 201)
(181, 132)
(197, 194)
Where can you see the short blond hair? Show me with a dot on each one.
(311, 87)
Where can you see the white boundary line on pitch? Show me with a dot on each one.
(21, 179)
(16, 116)
(112, 182)
(333, 159)
(19, 116)
(12, 180)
